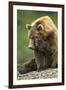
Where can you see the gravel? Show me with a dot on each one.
(44, 74)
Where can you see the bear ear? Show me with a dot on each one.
(40, 27)
(28, 26)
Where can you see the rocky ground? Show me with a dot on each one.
(44, 74)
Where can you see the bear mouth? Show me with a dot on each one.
(36, 45)
(32, 48)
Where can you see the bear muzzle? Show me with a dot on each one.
(31, 45)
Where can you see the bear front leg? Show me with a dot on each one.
(39, 59)
(27, 67)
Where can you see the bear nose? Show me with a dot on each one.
(31, 47)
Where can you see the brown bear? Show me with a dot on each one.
(42, 35)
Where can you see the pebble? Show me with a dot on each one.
(44, 74)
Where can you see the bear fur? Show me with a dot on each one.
(42, 35)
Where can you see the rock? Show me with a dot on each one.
(44, 74)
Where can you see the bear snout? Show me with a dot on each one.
(31, 44)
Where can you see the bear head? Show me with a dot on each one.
(40, 32)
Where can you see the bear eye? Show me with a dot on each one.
(40, 27)
(28, 26)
